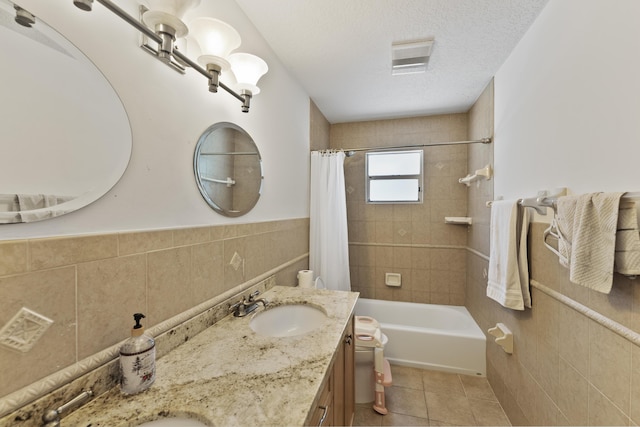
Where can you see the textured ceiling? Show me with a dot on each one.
(340, 50)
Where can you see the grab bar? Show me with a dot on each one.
(229, 181)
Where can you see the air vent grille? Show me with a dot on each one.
(410, 57)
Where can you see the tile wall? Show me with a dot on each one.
(566, 369)
(90, 286)
(412, 240)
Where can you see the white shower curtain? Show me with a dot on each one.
(328, 240)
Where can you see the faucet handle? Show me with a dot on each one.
(253, 295)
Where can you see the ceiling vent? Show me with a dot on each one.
(410, 57)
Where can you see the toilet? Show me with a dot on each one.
(373, 372)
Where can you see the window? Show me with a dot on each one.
(394, 176)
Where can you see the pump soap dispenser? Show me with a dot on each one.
(137, 360)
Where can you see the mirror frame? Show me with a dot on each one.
(253, 199)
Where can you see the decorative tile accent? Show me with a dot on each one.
(24, 329)
(350, 189)
(440, 165)
(402, 232)
(236, 261)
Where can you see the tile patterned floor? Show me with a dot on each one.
(431, 398)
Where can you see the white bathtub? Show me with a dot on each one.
(429, 336)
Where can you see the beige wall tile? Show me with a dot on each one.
(191, 236)
(50, 293)
(115, 275)
(574, 339)
(14, 257)
(610, 364)
(207, 271)
(408, 225)
(145, 241)
(572, 363)
(233, 276)
(573, 394)
(169, 288)
(548, 368)
(55, 252)
(320, 129)
(634, 411)
(109, 293)
(603, 412)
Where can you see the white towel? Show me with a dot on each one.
(508, 281)
(587, 225)
(627, 259)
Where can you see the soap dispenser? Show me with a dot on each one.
(137, 360)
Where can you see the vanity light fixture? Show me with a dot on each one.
(162, 23)
(24, 17)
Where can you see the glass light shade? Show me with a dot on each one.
(216, 40)
(176, 8)
(247, 69)
(170, 13)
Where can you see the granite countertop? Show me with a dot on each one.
(229, 375)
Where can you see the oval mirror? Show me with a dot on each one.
(66, 138)
(228, 169)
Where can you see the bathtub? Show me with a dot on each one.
(428, 336)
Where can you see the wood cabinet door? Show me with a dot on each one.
(349, 375)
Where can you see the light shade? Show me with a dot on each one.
(170, 13)
(216, 39)
(248, 69)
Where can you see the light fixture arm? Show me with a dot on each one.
(164, 44)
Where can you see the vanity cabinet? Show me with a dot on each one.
(336, 405)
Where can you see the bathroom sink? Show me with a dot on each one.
(173, 422)
(287, 320)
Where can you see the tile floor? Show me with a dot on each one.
(431, 398)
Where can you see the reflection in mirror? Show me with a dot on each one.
(228, 169)
(66, 138)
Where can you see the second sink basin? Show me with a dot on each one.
(287, 320)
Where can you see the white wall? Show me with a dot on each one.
(567, 102)
(168, 112)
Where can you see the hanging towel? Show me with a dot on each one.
(508, 281)
(627, 258)
(587, 226)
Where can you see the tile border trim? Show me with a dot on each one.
(612, 325)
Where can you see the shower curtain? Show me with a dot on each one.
(328, 240)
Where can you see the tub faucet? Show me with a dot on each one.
(247, 305)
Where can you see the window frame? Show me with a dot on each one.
(419, 177)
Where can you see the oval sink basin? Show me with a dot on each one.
(287, 320)
(173, 422)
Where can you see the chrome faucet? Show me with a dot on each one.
(247, 305)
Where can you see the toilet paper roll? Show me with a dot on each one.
(305, 278)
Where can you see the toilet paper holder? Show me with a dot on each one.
(504, 337)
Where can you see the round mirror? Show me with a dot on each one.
(66, 138)
(228, 169)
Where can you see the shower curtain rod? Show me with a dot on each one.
(351, 151)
